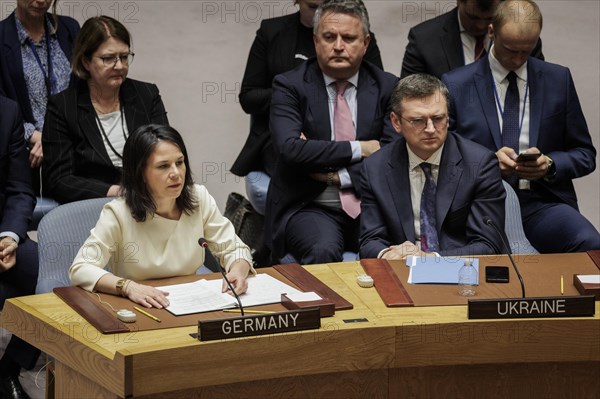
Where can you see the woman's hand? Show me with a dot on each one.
(237, 277)
(36, 154)
(146, 295)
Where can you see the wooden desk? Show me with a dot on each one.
(401, 352)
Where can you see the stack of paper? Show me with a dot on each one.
(436, 270)
(205, 295)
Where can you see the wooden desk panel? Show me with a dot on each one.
(397, 352)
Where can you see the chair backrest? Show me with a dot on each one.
(513, 224)
(43, 206)
(60, 235)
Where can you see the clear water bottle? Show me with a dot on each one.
(467, 279)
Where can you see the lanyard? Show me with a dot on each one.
(48, 80)
(106, 136)
(524, 103)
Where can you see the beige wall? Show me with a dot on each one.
(196, 52)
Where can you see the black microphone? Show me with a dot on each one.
(488, 220)
(211, 262)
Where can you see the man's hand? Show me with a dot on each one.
(36, 155)
(506, 159)
(368, 148)
(402, 251)
(533, 170)
(8, 253)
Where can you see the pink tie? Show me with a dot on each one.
(344, 131)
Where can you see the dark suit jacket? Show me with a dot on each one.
(16, 195)
(76, 163)
(12, 79)
(556, 122)
(272, 53)
(300, 104)
(435, 47)
(469, 187)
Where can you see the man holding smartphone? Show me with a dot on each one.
(528, 112)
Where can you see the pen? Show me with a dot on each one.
(248, 311)
(562, 285)
(147, 314)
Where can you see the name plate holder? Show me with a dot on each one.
(251, 325)
(540, 307)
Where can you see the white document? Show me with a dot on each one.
(589, 278)
(304, 297)
(205, 295)
(262, 290)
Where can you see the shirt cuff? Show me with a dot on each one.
(356, 151)
(29, 129)
(345, 180)
(11, 235)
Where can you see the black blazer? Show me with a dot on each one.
(435, 47)
(76, 163)
(272, 53)
(300, 105)
(16, 195)
(12, 79)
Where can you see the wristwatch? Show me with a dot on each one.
(330, 179)
(551, 172)
(120, 285)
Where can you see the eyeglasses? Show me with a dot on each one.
(439, 122)
(111, 60)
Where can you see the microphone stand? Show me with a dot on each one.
(214, 264)
(487, 220)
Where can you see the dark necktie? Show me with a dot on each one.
(344, 131)
(479, 49)
(510, 116)
(429, 236)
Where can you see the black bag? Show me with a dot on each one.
(249, 226)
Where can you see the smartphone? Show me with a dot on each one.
(496, 274)
(528, 156)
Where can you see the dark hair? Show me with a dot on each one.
(483, 5)
(354, 8)
(93, 33)
(138, 148)
(419, 85)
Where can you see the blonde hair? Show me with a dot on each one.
(524, 12)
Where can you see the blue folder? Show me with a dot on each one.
(437, 270)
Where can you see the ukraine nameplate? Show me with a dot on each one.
(517, 308)
(246, 326)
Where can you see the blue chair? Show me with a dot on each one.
(257, 185)
(43, 206)
(60, 235)
(513, 224)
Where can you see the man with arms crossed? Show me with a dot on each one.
(327, 115)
